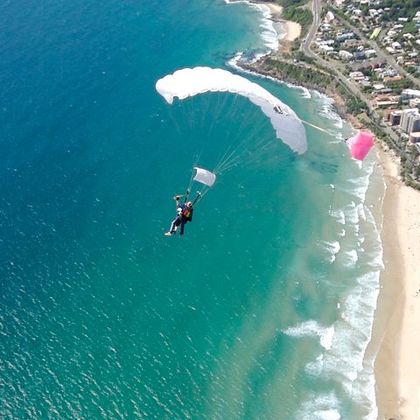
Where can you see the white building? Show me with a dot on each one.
(410, 120)
(345, 55)
(370, 53)
(410, 93)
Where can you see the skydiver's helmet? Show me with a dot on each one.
(189, 204)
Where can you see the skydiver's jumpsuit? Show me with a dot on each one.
(184, 215)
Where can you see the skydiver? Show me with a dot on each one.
(184, 215)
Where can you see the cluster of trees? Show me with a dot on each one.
(297, 74)
(297, 11)
(410, 167)
(311, 78)
(398, 8)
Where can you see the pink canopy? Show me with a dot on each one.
(360, 144)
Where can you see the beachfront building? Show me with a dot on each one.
(414, 137)
(410, 120)
(395, 117)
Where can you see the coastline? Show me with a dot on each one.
(397, 318)
(290, 30)
(395, 341)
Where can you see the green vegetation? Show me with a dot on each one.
(299, 15)
(322, 80)
(298, 74)
(297, 11)
(410, 27)
(399, 8)
(398, 86)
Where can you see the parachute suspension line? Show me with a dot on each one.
(232, 159)
(200, 195)
(233, 149)
(228, 130)
(188, 111)
(317, 128)
(175, 122)
(219, 109)
(193, 81)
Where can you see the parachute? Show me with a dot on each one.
(360, 144)
(189, 82)
(204, 176)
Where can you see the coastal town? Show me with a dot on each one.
(365, 54)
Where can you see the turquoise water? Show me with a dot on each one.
(262, 310)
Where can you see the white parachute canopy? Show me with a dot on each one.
(204, 176)
(190, 82)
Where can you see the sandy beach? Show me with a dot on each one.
(397, 319)
(292, 29)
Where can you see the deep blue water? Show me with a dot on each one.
(101, 315)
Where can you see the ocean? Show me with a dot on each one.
(263, 310)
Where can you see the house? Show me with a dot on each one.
(359, 55)
(407, 94)
(344, 36)
(414, 103)
(345, 55)
(329, 17)
(357, 76)
(370, 53)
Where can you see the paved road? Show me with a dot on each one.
(316, 12)
(353, 87)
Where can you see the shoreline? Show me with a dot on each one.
(396, 328)
(395, 339)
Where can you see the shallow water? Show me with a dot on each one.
(262, 310)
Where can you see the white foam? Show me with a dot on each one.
(312, 329)
(339, 215)
(320, 407)
(327, 110)
(269, 33)
(331, 248)
(306, 93)
(350, 258)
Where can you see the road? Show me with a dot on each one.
(316, 12)
(352, 87)
(381, 53)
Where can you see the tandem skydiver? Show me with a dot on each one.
(184, 214)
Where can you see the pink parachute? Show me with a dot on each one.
(360, 144)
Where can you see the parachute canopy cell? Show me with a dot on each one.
(189, 82)
(360, 144)
(204, 176)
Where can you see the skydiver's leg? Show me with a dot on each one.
(174, 225)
